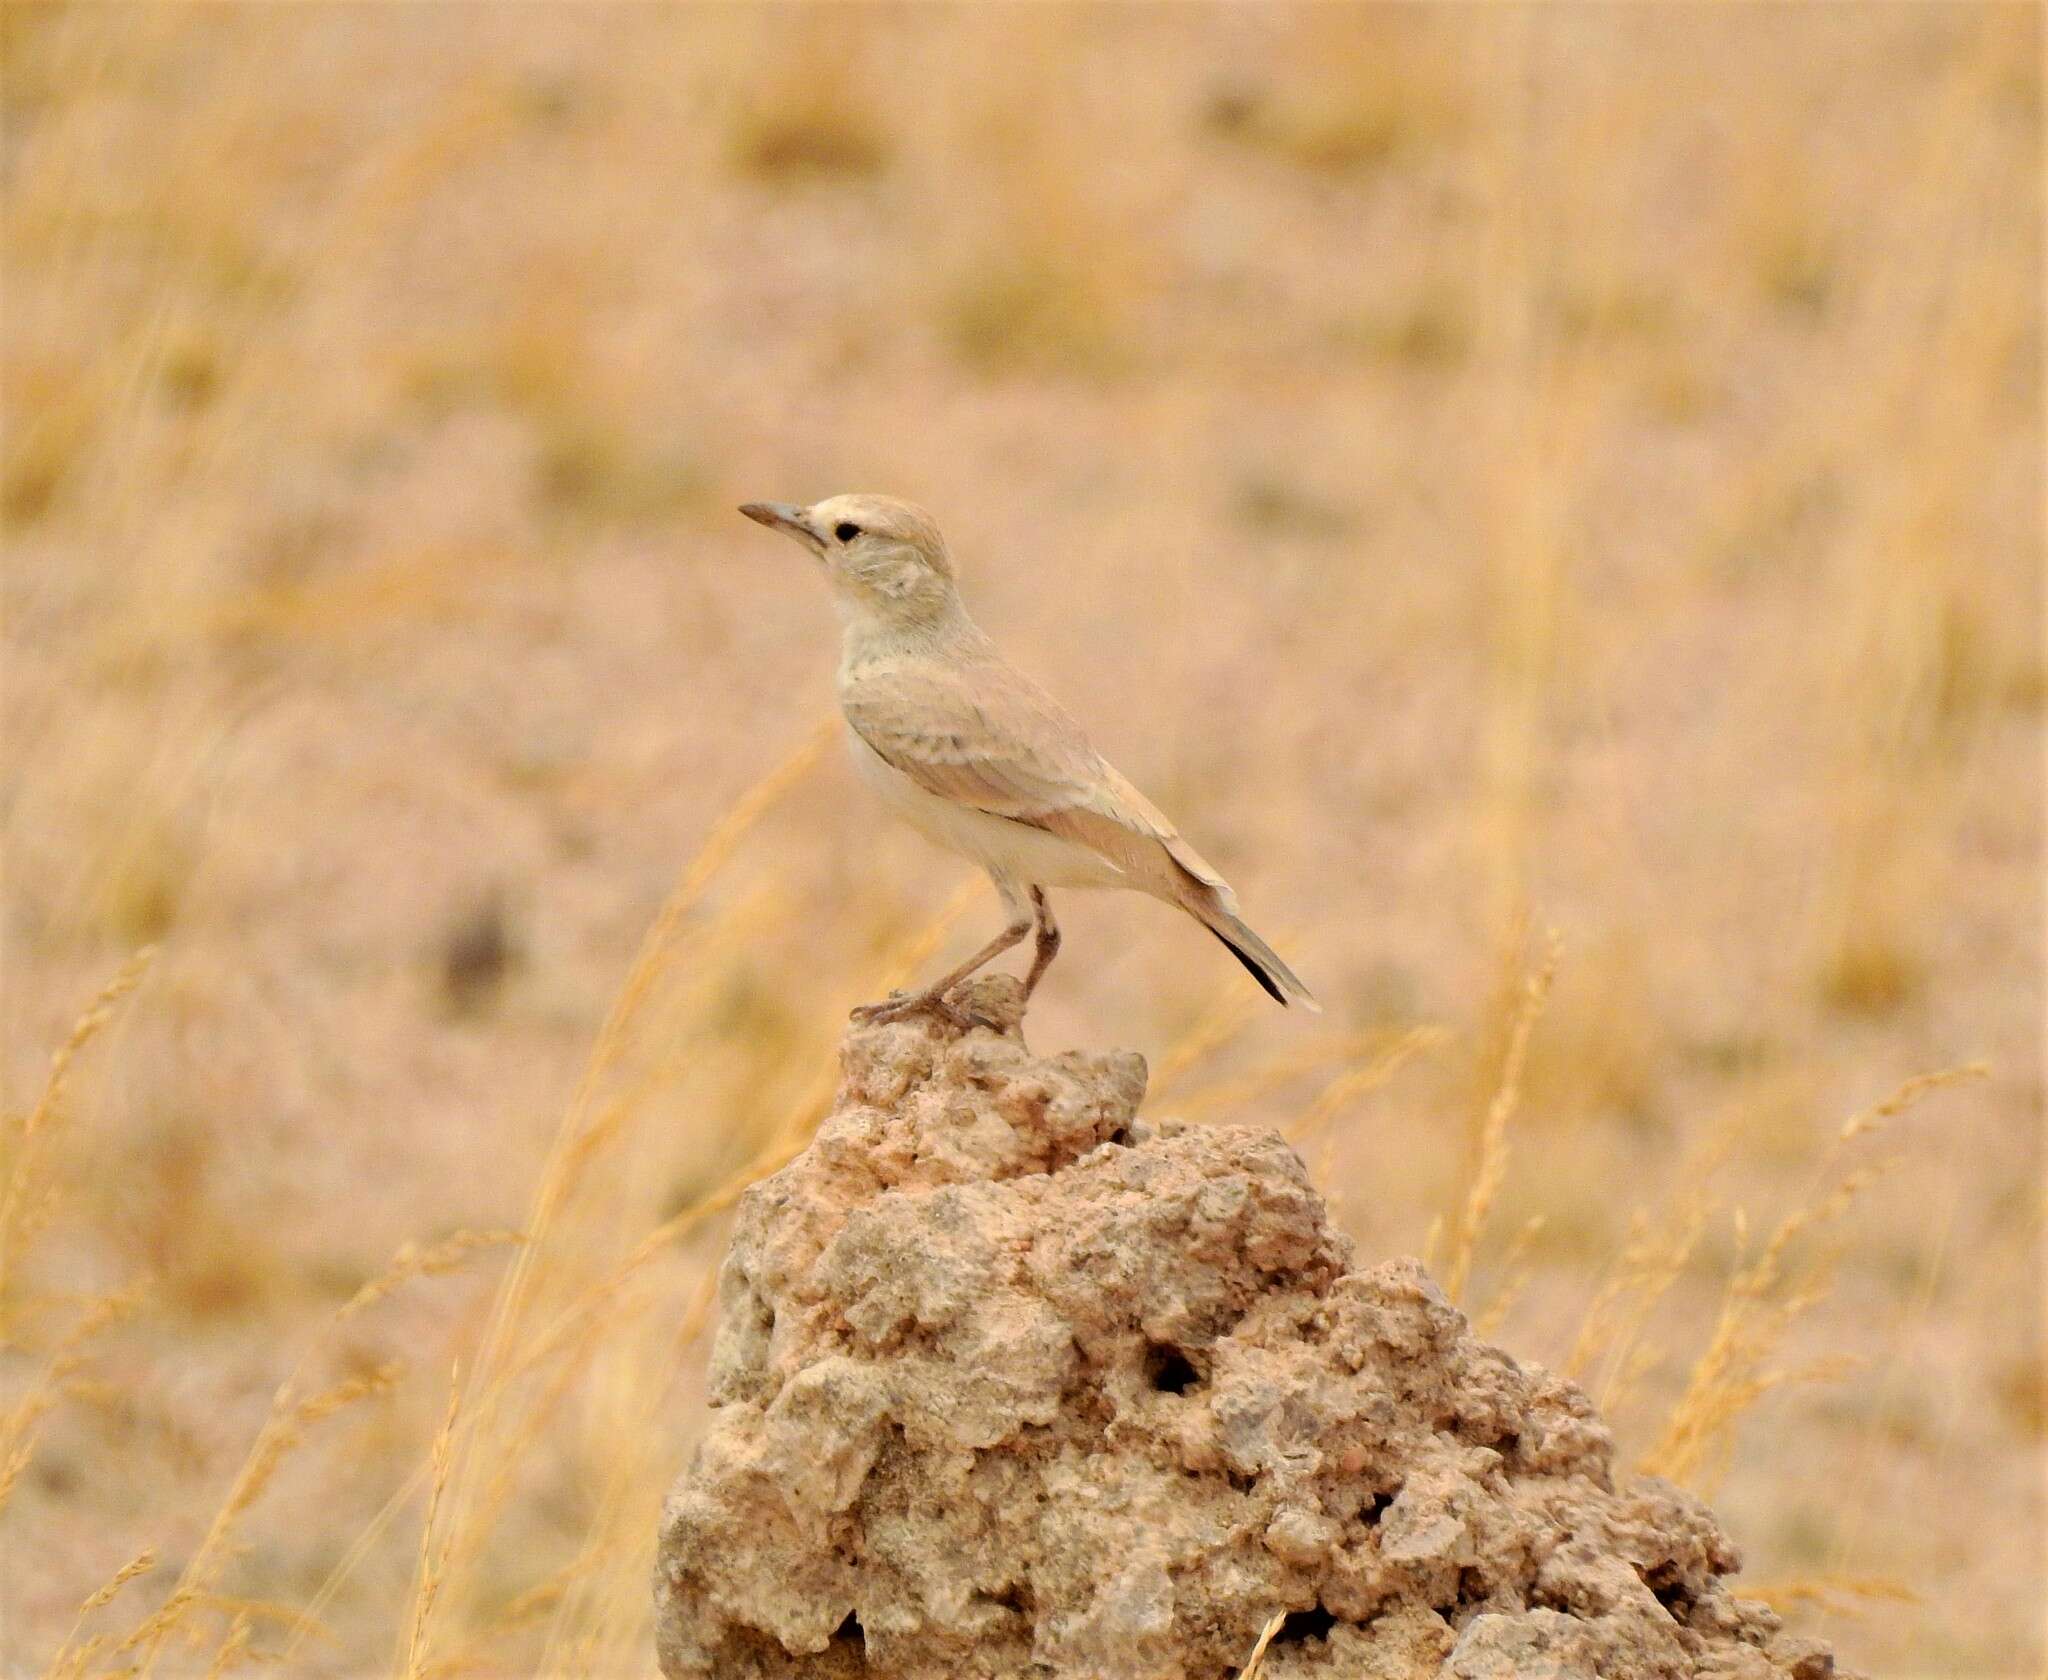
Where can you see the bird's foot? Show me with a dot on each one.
(901, 1006)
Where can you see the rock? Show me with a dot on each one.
(1012, 1382)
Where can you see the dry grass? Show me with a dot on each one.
(1490, 1146)
(1765, 1297)
(1273, 1625)
(1480, 469)
(557, 1336)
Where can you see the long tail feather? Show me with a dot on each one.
(1263, 962)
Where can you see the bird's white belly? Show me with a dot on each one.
(1027, 855)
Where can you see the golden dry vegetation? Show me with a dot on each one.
(1486, 470)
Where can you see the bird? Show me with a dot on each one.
(981, 760)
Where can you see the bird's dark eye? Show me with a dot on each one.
(846, 530)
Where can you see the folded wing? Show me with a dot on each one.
(986, 736)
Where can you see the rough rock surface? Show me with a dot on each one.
(1010, 1382)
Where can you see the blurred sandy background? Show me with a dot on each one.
(1576, 466)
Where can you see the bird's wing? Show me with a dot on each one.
(987, 737)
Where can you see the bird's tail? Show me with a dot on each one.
(1197, 888)
(1263, 962)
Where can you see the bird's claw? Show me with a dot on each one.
(966, 1015)
(871, 1011)
(900, 1006)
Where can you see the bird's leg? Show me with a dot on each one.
(1048, 945)
(933, 1000)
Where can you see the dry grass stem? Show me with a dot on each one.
(30, 1136)
(71, 1658)
(425, 1260)
(1258, 1654)
(1766, 1296)
(1516, 1270)
(433, 1557)
(1490, 1163)
(1840, 1595)
(1360, 1081)
(1226, 1016)
(1278, 1072)
(375, 648)
(19, 1426)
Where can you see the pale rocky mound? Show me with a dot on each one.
(1011, 1382)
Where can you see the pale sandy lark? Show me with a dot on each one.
(981, 760)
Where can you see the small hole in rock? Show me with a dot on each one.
(850, 1632)
(1121, 1135)
(1375, 1508)
(1668, 1588)
(1169, 1370)
(1304, 1625)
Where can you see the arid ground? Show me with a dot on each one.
(1486, 471)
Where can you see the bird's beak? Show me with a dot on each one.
(780, 516)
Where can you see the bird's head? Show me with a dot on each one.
(884, 556)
